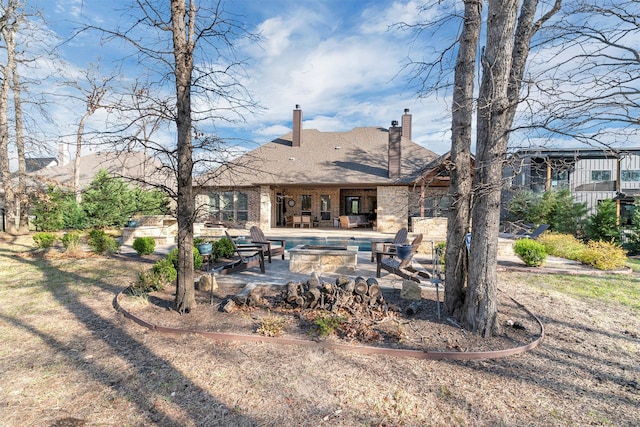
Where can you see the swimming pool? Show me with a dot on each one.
(363, 244)
(292, 242)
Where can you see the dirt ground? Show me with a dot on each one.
(70, 359)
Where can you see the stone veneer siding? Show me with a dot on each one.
(393, 207)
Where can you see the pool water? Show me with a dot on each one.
(292, 242)
(363, 245)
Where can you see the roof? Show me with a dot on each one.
(357, 157)
(36, 163)
(133, 165)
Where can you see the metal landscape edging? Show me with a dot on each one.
(416, 354)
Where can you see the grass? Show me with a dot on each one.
(69, 355)
(609, 289)
(634, 264)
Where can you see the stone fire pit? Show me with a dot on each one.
(323, 259)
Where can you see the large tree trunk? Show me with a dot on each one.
(23, 198)
(492, 137)
(456, 260)
(5, 70)
(183, 52)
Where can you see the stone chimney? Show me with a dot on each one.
(297, 127)
(395, 157)
(63, 154)
(406, 124)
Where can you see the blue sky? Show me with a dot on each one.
(339, 60)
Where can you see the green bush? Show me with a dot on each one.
(102, 243)
(604, 255)
(562, 245)
(223, 248)
(197, 258)
(44, 240)
(71, 241)
(144, 245)
(166, 270)
(326, 325)
(148, 281)
(603, 225)
(531, 252)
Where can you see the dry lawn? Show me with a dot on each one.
(68, 358)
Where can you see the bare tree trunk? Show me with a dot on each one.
(23, 199)
(183, 39)
(7, 31)
(76, 160)
(460, 188)
(493, 135)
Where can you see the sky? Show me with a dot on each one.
(339, 60)
(343, 61)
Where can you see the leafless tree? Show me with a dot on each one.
(9, 24)
(188, 43)
(460, 188)
(588, 84)
(93, 90)
(503, 60)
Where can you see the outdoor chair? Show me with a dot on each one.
(389, 261)
(268, 247)
(537, 232)
(305, 221)
(249, 256)
(389, 245)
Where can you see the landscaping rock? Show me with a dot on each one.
(410, 290)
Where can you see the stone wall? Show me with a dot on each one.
(431, 228)
(393, 204)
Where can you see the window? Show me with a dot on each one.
(600, 175)
(305, 205)
(325, 207)
(229, 206)
(630, 175)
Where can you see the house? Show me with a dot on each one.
(591, 174)
(377, 173)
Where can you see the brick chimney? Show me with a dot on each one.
(297, 127)
(395, 157)
(406, 124)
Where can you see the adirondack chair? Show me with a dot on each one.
(249, 256)
(268, 246)
(389, 261)
(389, 245)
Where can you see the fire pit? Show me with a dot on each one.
(323, 259)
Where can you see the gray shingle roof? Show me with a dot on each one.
(356, 157)
(131, 165)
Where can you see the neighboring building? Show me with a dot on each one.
(133, 166)
(372, 171)
(592, 175)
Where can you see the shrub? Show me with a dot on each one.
(562, 245)
(166, 270)
(147, 281)
(326, 325)
(530, 251)
(223, 248)
(197, 258)
(71, 242)
(604, 255)
(144, 245)
(102, 243)
(603, 225)
(44, 240)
